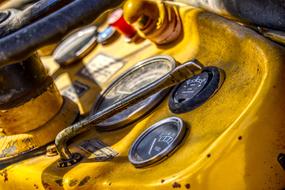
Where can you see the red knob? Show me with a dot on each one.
(117, 20)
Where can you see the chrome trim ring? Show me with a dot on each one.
(181, 132)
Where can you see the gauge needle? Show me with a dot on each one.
(151, 147)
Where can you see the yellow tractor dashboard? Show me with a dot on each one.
(113, 94)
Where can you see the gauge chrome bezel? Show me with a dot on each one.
(142, 111)
(181, 133)
(79, 54)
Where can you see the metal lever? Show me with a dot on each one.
(176, 76)
(22, 43)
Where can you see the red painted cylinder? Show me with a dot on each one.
(117, 21)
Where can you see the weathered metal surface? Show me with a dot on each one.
(235, 137)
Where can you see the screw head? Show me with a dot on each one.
(51, 151)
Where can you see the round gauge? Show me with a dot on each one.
(142, 75)
(157, 142)
(195, 91)
(76, 46)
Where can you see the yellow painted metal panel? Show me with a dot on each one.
(234, 138)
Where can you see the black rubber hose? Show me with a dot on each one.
(22, 43)
(17, 19)
(266, 13)
(41, 9)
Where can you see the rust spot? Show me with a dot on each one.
(84, 180)
(5, 175)
(281, 160)
(208, 155)
(73, 182)
(176, 185)
(162, 181)
(47, 186)
(29, 143)
(36, 186)
(110, 184)
(276, 174)
(240, 138)
(187, 186)
(59, 182)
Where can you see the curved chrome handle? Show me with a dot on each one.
(176, 76)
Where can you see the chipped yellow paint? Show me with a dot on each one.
(35, 123)
(22, 118)
(16, 144)
(234, 138)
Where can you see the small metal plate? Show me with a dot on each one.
(158, 141)
(75, 90)
(98, 150)
(101, 68)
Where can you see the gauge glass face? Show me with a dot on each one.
(157, 141)
(75, 45)
(136, 80)
(129, 83)
(190, 88)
